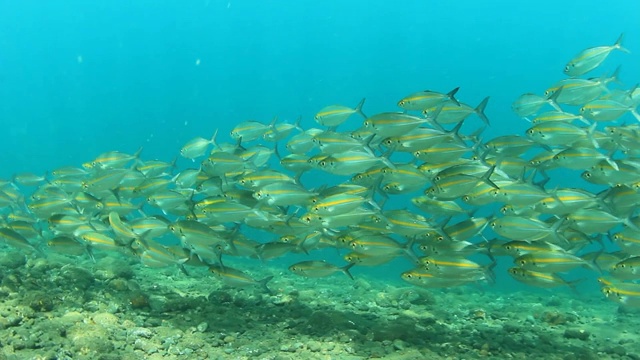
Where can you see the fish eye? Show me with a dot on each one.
(401, 102)
(523, 262)
(530, 131)
(408, 276)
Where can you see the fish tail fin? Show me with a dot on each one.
(136, 155)
(259, 249)
(408, 250)
(615, 76)
(173, 165)
(455, 132)
(263, 284)
(183, 269)
(486, 178)
(297, 124)
(635, 114)
(90, 253)
(618, 44)
(489, 273)
(136, 158)
(590, 131)
(451, 95)
(480, 111)
(553, 99)
(358, 108)
(345, 270)
(593, 264)
(214, 140)
(572, 285)
(611, 162)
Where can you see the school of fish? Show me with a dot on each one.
(406, 183)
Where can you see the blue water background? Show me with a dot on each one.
(79, 78)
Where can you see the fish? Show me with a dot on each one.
(524, 228)
(540, 279)
(249, 130)
(28, 179)
(197, 147)
(393, 124)
(238, 278)
(627, 269)
(319, 268)
(429, 278)
(607, 110)
(284, 194)
(423, 100)
(453, 112)
(361, 259)
(112, 160)
(334, 115)
(627, 294)
(576, 91)
(16, 240)
(337, 204)
(591, 58)
(552, 262)
(529, 104)
(560, 133)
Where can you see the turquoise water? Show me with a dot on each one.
(80, 79)
(138, 83)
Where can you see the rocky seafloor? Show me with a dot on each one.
(71, 308)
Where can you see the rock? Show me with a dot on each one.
(39, 301)
(314, 346)
(580, 334)
(71, 318)
(105, 319)
(12, 260)
(202, 327)
(398, 344)
(72, 277)
(147, 346)
(618, 350)
(140, 332)
(90, 339)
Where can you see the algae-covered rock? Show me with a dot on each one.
(580, 334)
(12, 260)
(75, 277)
(39, 300)
(90, 339)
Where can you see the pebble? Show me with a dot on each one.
(202, 327)
(398, 344)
